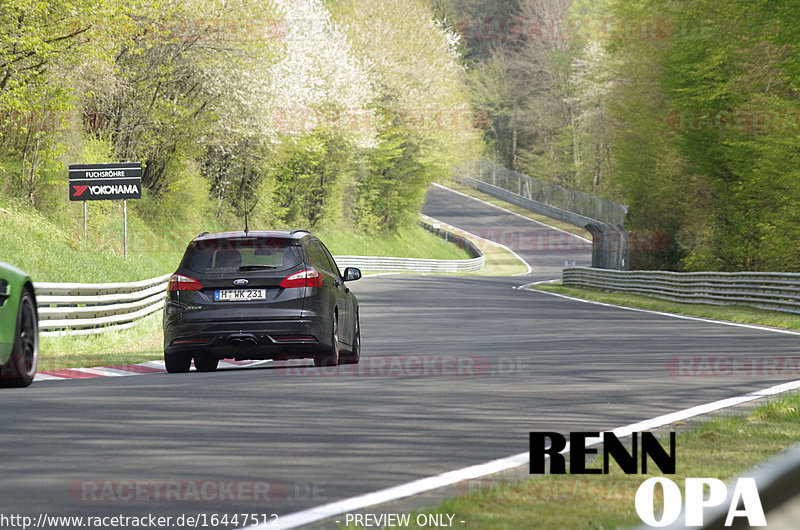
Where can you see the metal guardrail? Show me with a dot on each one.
(552, 199)
(373, 263)
(777, 291)
(89, 308)
(477, 261)
(92, 308)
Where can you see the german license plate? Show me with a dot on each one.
(240, 295)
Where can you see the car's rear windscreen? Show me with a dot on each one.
(242, 254)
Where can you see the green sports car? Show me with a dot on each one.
(19, 328)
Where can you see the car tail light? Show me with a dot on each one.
(306, 278)
(179, 282)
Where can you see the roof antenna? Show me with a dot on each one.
(246, 228)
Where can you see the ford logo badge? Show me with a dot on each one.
(240, 282)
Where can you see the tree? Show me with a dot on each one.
(422, 115)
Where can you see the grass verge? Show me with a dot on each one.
(472, 192)
(414, 242)
(498, 261)
(141, 343)
(747, 315)
(49, 252)
(721, 448)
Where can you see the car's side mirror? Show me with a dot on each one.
(352, 274)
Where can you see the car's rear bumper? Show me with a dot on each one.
(251, 339)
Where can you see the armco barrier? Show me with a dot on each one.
(778, 291)
(88, 308)
(373, 263)
(91, 308)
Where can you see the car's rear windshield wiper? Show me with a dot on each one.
(257, 267)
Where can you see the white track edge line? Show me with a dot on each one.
(661, 313)
(512, 213)
(326, 511)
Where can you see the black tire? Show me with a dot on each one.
(177, 363)
(21, 366)
(206, 363)
(354, 355)
(331, 356)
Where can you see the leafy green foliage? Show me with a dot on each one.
(310, 173)
(707, 146)
(424, 125)
(685, 111)
(394, 184)
(208, 95)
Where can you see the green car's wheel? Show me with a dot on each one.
(21, 366)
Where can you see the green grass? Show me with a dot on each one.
(472, 192)
(415, 242)
(499, 261)
(721, 448)
(742, 314)
(141, 343)
(50, 252)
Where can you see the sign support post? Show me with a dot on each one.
(125, 222)
(84, 221)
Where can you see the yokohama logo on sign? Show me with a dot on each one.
(97, 182)
(131, 191)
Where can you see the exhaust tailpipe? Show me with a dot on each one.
(243, 340)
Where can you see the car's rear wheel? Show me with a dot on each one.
(206, 363)
(21, 366)
(177, 363)
(354, 355)
(331, 356)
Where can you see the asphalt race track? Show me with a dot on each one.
(455, 371)
(546, 250)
